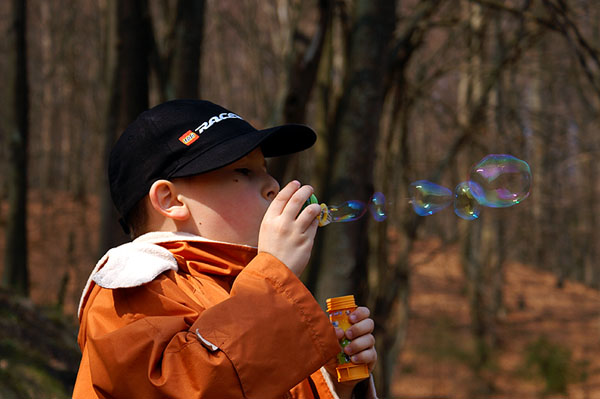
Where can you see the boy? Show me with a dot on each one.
(206, 301)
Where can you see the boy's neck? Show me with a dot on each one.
(156, 237)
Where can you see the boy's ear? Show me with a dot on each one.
(163, 197)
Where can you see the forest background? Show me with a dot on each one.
(397, 91)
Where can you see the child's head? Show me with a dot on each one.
(191, 165)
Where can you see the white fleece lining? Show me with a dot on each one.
(329, 382)
(134, 264)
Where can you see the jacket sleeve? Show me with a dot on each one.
(269, 335)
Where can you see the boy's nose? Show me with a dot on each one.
(271, 188)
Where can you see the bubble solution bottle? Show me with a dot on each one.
(339, 309)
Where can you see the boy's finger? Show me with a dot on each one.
(360, 313)
(309, 214)
(363, 327)
(312, 228)
(282, 198)
(296, 202)
(360, 344)
(366, 357)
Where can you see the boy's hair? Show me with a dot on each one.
(182, 138)
(136, 220)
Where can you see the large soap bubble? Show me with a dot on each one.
(500, 181)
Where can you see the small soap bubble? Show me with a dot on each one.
(349, 211)
(377, 206)
(465, 204)
(428, 198)
(500, 180)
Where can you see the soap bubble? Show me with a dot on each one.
(428, 198)
(500, 181)
(497, 181)
(377, 206)
(349, 211)
(465, 204)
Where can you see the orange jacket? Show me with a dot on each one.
(193, 318)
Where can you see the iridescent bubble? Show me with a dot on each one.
(428, 198)
(377, 206)
(465, 204)
(349, 211)
(500, 180)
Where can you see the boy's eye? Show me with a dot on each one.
(244, 171)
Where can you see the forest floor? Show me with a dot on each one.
(547, 337)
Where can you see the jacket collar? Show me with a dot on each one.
(142, 260)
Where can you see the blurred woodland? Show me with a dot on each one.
(397, 91)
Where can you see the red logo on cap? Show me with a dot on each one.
(188, 137)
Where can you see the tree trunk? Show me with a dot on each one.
(592, 274)
(391, 242)
(536, 125)
(175, 47)
(302, 75)
(128, 64)
(16, 276)
(185, 70)
(344, 250)
(496, 251)
(476, 235)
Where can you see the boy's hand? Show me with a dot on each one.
(287, 233)
(361, 349)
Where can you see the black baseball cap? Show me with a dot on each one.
(182, 138)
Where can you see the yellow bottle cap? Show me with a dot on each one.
(340, 302)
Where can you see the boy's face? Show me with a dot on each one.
(228, 204)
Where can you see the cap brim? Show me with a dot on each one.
(276, 141)
(286, 139)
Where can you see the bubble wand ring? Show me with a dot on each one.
(325, 216)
